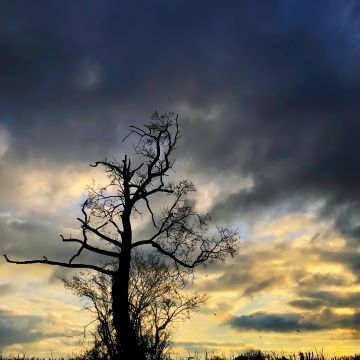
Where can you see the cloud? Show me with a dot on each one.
(263, 285)
(4, 141)
(38, 236)
(312, 281)
(17, 329)
(273, 258)
(284, 281)
(307, 304)
(272, 118)
(31, 238)
(206, 344)
(271, 322)
(328, 298)
(267, 93)
(293, 322)
(6, 289)
(347, 257)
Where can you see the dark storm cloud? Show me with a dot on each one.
(19, 329)
(52, 51)
(269, 89)
(64, 69)
(263, 60)
(290, 322)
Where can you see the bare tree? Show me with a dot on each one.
(156, 299)
(96, 289)
(178, 232)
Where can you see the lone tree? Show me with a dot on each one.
(177, 232)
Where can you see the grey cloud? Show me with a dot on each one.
(36, 237)
(312, 281)
(242, 67)
(333, 299)
(259, 269)
(271, 322)
(80, 136)
(18, 329)
(32, 238)
(245, 281)
(263, 285)
(285, 101)
(59, 273)
(6, 289)
(307, 304)
(290, 322)
(347, 256)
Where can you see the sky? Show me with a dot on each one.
(267, 94)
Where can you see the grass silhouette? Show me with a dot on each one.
(248, 355)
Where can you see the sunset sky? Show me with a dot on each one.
(268, 97)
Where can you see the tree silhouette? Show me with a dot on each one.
(178, 232)
(156, 300)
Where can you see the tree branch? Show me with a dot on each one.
(62, 264)
(107, 164)
(172, 256)
(86, 246)
(98, 233)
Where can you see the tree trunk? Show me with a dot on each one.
(127, 344)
